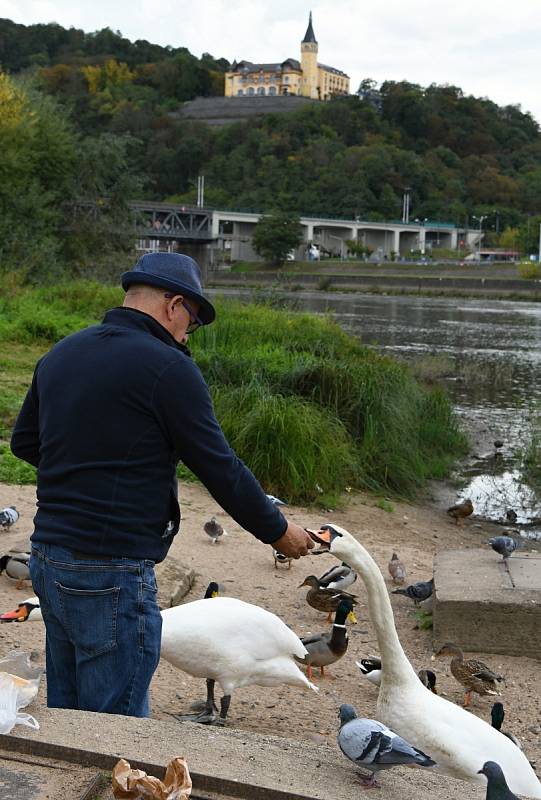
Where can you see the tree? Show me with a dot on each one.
(276, 234)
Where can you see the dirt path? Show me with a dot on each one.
(246, 568)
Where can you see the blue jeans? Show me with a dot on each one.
(103, 629)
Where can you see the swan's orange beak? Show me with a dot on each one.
(19, 614)
(322, 538)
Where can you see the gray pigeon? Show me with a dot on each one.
(497, 788)
(417, 591)
(213, 529)
(8, 517)
(504, 545)
(371, 745)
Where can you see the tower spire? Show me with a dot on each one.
(309, 36)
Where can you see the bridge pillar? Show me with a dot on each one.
(396, 241)
(422, 241)
(309, 231)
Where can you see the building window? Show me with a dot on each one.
(272, 89)
(261, 90)
(240, 91)
(286, 78)
(251, 90)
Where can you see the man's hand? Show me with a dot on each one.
(295, 542)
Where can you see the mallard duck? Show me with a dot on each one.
(323, 599)
(371, 745)
(234, 643)
(28, 610)
(461, 510)
(371, 670)
(497, 788)
(338, 578)
(397, 570)
(213, 529)
(497, 716)
(280, 558)
(417, 591)
(459, 742)
(327, 648)
(15, 565)
(474, 675)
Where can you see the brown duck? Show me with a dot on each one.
(461, 510)
(474, 675)
(323, 599)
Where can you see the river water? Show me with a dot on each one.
(487, 354)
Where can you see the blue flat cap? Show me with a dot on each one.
(175, 272)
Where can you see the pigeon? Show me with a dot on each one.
(497, 788)
(371, 745)
(8, 517)
(213, 529)
(397, 570)
(338, 577)
(280, 558)
(461, 510)
(417, 591)
(497, 716)
(276, 500)
(504, 545)
(498, 444)
(511, 515)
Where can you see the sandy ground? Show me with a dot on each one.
(246, 568)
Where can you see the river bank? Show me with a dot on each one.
(502, 281)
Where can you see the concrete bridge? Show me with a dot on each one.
(207, 233)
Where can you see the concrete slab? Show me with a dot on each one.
(223, 763)
(483, 608)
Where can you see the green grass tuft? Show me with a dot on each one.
(306, 406)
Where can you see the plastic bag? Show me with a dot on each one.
(19, 684)
(18, 664)
(12, 692)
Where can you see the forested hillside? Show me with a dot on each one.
(115, 102)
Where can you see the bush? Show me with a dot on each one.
(530, 270)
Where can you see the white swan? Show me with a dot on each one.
(234, 643)
(457, 740)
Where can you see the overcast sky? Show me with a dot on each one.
(490, 48)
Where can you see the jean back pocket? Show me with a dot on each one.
(89, 617)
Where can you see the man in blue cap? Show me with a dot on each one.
(111, 411)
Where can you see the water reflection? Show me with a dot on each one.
(493, 352)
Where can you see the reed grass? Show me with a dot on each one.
(305, 405)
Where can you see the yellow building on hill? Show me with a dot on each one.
(306, 77)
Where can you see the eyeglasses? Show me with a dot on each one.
(195, 321)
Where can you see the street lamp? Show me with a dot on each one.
(480, 234)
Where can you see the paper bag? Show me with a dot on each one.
(134, 784)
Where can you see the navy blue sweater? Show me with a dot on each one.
(110, 412)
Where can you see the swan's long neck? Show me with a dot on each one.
(394, 662)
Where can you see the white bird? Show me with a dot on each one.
(27, 610)
(458, 741)
(213, 529)
(338, 578)
(234, 643)
(371, 745)
(276, 500)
